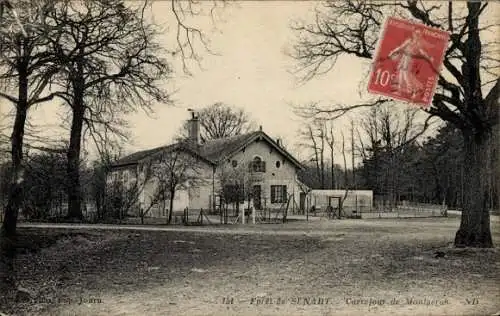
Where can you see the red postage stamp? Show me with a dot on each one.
(407, 62)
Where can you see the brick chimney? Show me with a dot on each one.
(194, 128)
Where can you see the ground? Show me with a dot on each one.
(346, 267)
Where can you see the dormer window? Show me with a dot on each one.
(257, 165)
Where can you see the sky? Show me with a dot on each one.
(249, 70)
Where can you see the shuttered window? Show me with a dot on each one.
(278, 194)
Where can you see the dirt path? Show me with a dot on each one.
(347, 267)
(318, 227)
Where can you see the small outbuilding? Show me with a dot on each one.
(352, 201)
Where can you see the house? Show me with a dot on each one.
(249, 168)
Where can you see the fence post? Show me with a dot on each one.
(221, 214)
(356, 203)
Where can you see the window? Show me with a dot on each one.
(278, 164)
(234, 163)
(278, 194)
(257, 165)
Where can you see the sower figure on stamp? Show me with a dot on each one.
(410, 49)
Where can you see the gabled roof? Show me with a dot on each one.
(212, 151)
(136, 157)
(218, 149)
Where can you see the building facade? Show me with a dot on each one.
(250, 169)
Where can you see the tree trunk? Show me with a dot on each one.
(474, 228)
(237, 206)
(9, 225)
(322, 157)
(332, 170)
(171, 206)
(354, 184)
(74, 196)
(73, 168)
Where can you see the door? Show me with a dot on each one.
(257, 202)
(302, 201)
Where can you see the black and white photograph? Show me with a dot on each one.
(273, 157)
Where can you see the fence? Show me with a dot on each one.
(55, 214)
(406, 209)
(352, 202)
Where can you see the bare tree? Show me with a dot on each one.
(109, 150)
(346, 177)
(178, 168)
(26, 70)
(314, 139)
(330, 141)
(220, 120)
(317, 136)
(127, 189)
(113, 66)
(44, 184)
(110, 66)
(187, 35)
(33, 35)
(158, 200)
(351, 27)
(353, 157)
(155, 182)
(124, 189)
(316, 152)
(390, 132)
(321, 137)
(235, 184)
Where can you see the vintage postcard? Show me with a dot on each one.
(226, 157)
